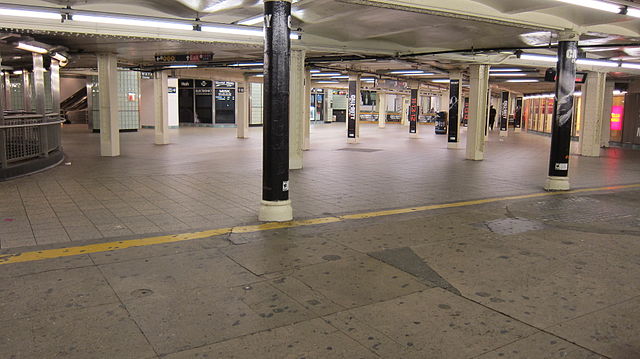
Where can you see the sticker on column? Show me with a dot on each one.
(562, 166)
(285, 186)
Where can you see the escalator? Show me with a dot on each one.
(75, 106)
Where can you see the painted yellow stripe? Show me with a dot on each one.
(141, 242)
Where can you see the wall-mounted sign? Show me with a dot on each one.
(203, 83)
(351, 110)
(146, 75)
(225, 84)
(202, 57)
(172, 90)
(616, 118)
(185, 83)
(131, 96)
(240, 89)
(391, 84)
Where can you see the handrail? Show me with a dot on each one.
(30, 116)
(32, 124)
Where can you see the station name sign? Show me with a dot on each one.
(199, 57)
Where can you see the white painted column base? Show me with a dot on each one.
(295, 162)
(275, 211)
(413, 135)
(518, 130)
(353, 140)
(504, 133)
(453, 145)
(554, 183)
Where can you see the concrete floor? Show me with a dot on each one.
(207, 178)
(542, 277)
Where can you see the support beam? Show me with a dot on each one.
(108, 104)
(593, 95)
(504, 114)
(455, 94)
(606, 114)
(276, 205)
(479, 84)
(243, 108)
(27, 94)
(296, 110)
(353, 110)
(161, 103)
(306, 144)
(558, 179)
(382, 109)
(413, 111)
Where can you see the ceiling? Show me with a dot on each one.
(366, 35)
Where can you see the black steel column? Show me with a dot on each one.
(277, 48)
(504, 112)
(352, 110)
(454, 110)
(563, 109)
(413, 112)
(517, 120)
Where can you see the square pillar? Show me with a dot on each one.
(382, 109)
(243, 108)
(479, 84)
(353, 110)
(297, 109)
(161, 102)
(593, 95)
(504, 114)
(108, 99)
(306, 124)
(455, 94)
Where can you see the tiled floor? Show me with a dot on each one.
(207, 178)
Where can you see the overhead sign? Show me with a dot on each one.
(201, 57)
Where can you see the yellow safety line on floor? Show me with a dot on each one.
(141, 242)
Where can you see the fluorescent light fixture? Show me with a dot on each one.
(618, 92)
(326, 74)
(405, 72)
(248, 31)
(592, 62)
(340, 77)
(630, 65)
(258, 75)
(314, 71)
(327, 82)
(252, 20)
(27, 47)
(17, 72)
(538, 57)
(441, 81)
(508, 74)
(369, 81)
(505, 70)
(595, 4)
(633, 12)
(180, 66)
(31, 14)
(247, 64)
(132, 22)
(523, 80)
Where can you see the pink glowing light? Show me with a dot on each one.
(616, 118)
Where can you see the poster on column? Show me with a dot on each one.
(504, 111)
(517, 121)
(413, 112)
(351, 116)
(454, 91)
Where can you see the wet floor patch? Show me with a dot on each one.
(408, 261)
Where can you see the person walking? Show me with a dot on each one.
(492, 117)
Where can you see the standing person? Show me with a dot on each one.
(492, 117)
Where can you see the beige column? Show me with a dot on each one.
(306, 128)
(243, 108)
(382, 109)
(593, 94)
(108, 98)
(479, 84)
(297, 109)
(161, 103)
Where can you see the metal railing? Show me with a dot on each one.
(28, 136)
